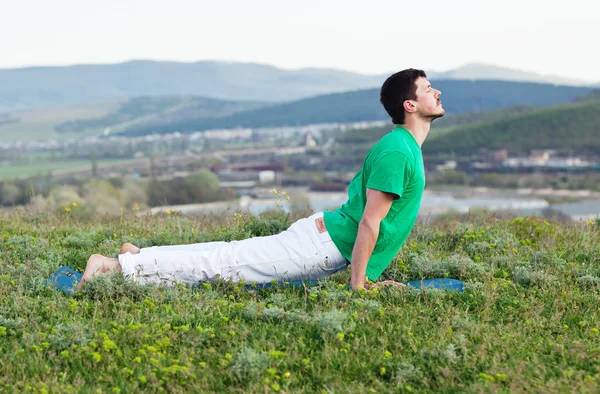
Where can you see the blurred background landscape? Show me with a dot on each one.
(215, 135)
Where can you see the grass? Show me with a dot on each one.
(528, 319)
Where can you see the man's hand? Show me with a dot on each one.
(376, 209)
(385, 283)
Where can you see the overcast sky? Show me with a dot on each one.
(372, 37)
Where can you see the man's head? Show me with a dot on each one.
(408, 93)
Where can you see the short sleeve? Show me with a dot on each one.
(390, 173)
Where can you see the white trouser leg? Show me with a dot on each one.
(199, 247)
(300, 252)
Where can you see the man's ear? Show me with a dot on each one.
(409, 106)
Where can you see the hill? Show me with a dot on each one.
(465, 102)
(458, 96)
(440, 126)
(94, 119)
(156, 112)
(451, 121)
(568, 128)
(24, 89)
(40, 124)
(479, 71)
(35, 87)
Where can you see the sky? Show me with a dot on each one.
(371, 37)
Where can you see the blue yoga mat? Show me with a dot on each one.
(66, 279)
(435, 283)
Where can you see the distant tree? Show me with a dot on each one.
(300, 203)
(39, 184)
(202, 186)
(101, 197)
(102, 204)
(454, 177)
(10, 194)
(156, 192)
(153, 169)
(134, 194)
(94, 166)
(98, 186)
(63, 196)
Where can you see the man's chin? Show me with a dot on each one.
(437, 114)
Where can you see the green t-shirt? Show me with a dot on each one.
(393, 165)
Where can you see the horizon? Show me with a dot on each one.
(546, 38)
(591, 82)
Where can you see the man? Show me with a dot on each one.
(367, 231)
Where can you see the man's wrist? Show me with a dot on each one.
(365, 284)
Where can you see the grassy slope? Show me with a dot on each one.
(40, 124)
(439, 126)
(93, 118)
(153, 112)
(453, 122)
(528, 319)
(568, 127)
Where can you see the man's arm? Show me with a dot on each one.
(376, 209)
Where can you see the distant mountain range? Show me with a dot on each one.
(165, 114)
(24, 89)
(458, 96)
(37, 87)
(479, 71)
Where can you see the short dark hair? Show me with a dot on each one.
(398, 88)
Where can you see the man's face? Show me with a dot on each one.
(429, 105)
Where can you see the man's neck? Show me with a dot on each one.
(418, 128)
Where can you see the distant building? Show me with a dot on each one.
(309, 142)
(498, 156)
(543, 159)
(228, 134)
(266, 176)
(255, 166)
(448, 165)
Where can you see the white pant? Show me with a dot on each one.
(299, 253)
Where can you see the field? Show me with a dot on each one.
(43, 167)
(528, 320)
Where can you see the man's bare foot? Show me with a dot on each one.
(97, 265)
(131, 248)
